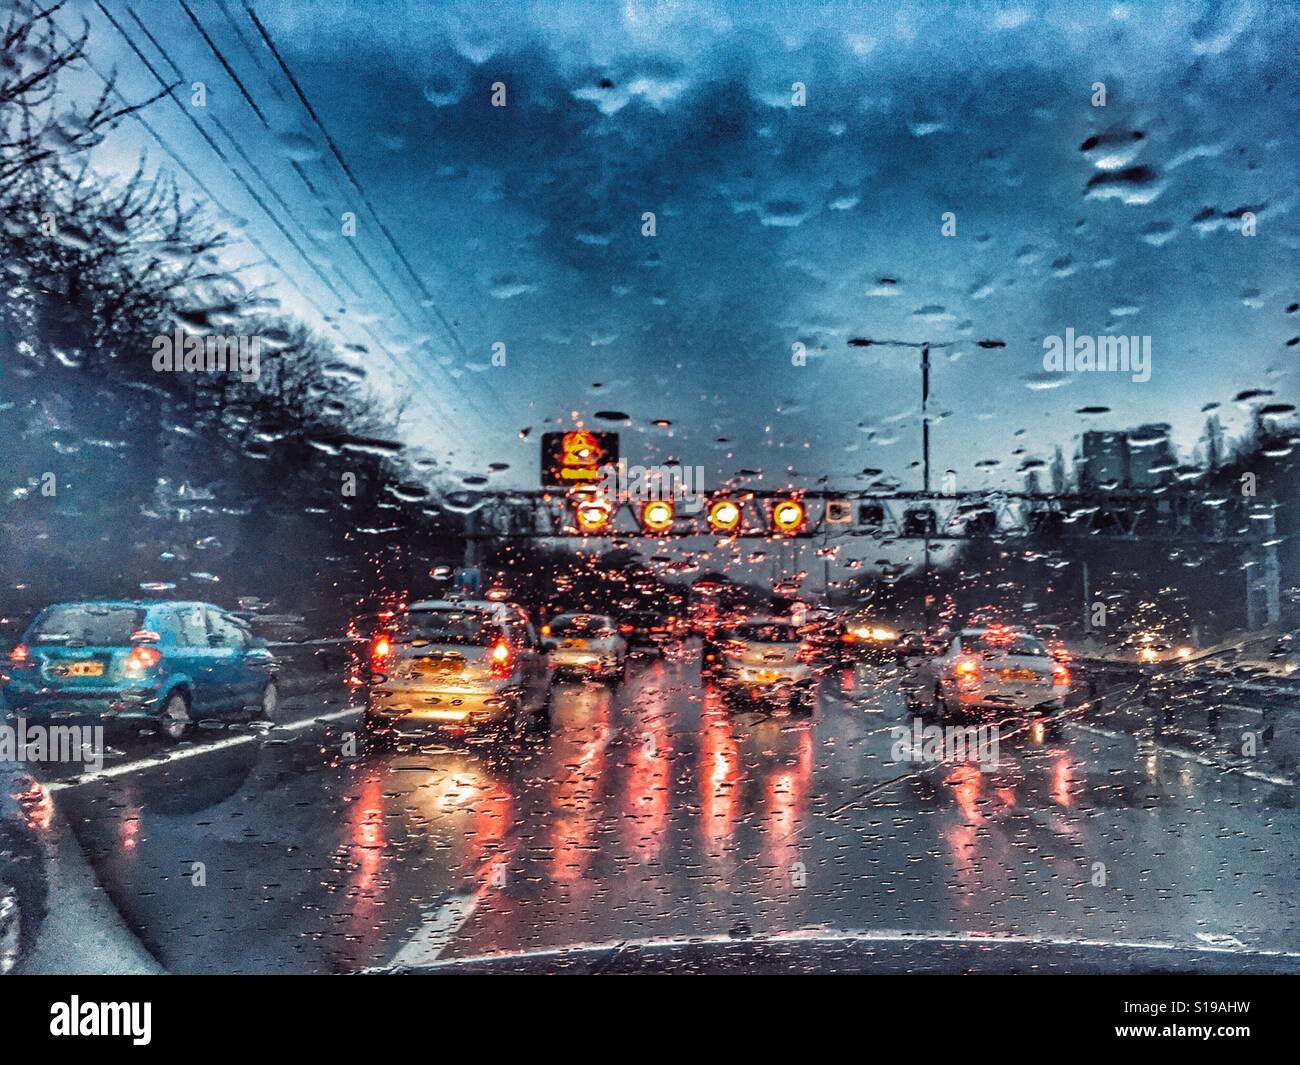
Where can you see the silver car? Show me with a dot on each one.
(769, 660)
(585, 645)
(994, 667)
(457, 663)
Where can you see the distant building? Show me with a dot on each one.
(1103, 460)
(1151, 458)
(1128, 458)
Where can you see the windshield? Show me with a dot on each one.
(610, 471)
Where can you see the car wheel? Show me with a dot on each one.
(24, 895)
(269, 701)
(174, 719)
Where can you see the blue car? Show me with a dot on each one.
(167, 663)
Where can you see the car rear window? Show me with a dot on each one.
(575, 624)
(88, 626)
(471, 628)
(1005, 644)
(768, 633)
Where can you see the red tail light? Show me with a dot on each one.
(380, 652)
(625, 628)
(806, 653)
(142, 658)
(1060, 675)
(501, 660)
(20, 657)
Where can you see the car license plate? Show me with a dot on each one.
(1017, 674)
(83, 669)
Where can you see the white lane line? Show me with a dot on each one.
(1189, 756)
(180, 755)
(439, 927)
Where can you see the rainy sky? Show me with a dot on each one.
(777, 222)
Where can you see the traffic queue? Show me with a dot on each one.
(466, 664)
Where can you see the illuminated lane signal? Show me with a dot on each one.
(788, 516)
(657, 515)
(724, 515)
(592, 516)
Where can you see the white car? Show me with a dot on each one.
(769, 659)
(994, 667)
(585, 645)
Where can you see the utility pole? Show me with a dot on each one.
(924, 346)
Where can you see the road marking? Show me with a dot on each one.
(440, 927)
(1189, 756)
(183, 753)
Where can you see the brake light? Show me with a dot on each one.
(847, 637)
(500, 659)
(20, 657)
(380, 651)
(141, 659)
(1060, 675)
(625, 628)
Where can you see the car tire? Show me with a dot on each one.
(174, 717)
(24, 895)
(266, 705)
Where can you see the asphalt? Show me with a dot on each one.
(653, 810)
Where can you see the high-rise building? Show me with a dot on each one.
(1151, 458)
(1103, 460)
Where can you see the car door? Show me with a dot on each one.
(196, 658)
(229, 686)
(252, 664)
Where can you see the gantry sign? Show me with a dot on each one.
(1175, 515)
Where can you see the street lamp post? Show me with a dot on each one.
(924, 346)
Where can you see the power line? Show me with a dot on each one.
(190, 173)
(469, 398)
(433, 408)
(426, 295)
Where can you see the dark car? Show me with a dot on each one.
(164, 663)
(647, 630)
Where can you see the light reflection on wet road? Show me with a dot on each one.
(654, 810)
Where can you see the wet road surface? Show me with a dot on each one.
(654, 810)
